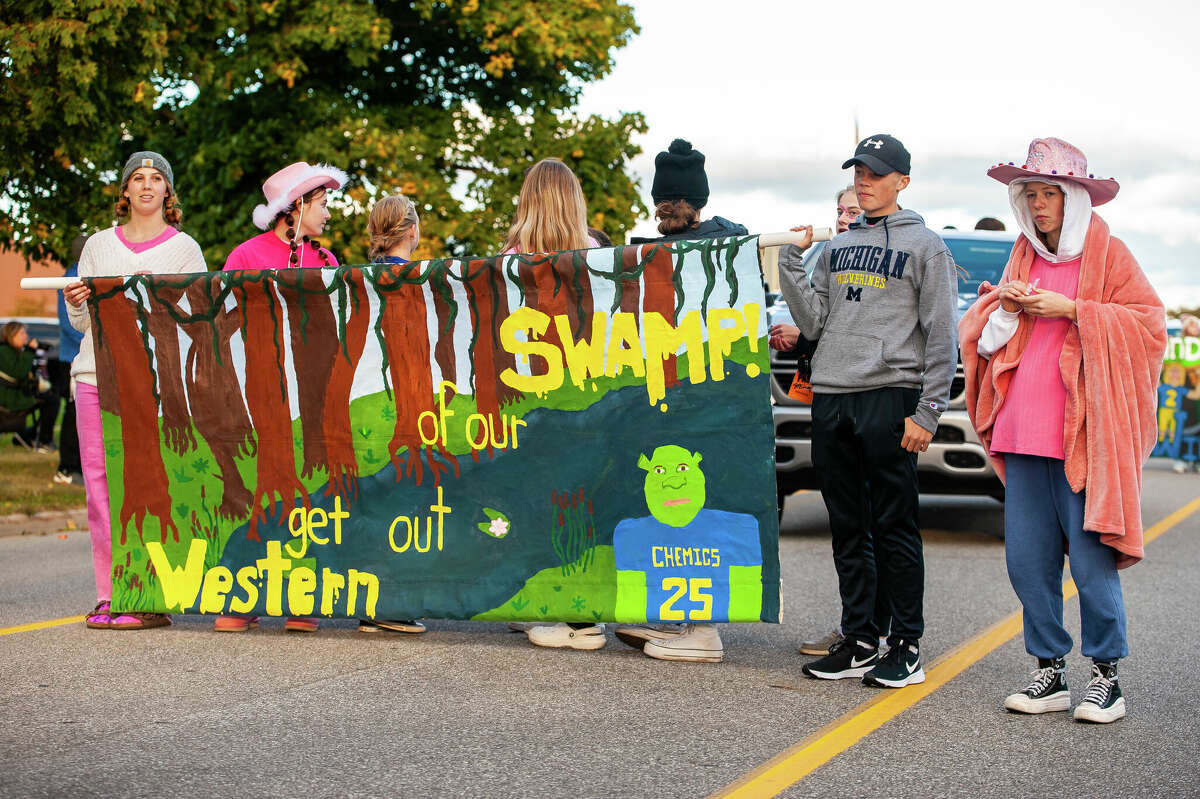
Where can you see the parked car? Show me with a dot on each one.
(955, 462)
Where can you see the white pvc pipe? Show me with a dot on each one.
(28, 283)
(793, 237)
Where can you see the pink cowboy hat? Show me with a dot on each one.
(292, 182)
(1058, 160)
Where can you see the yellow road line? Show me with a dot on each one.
(41, 625)
(803, 758)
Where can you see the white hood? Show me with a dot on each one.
(1077, 215)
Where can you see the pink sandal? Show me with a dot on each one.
(99, 618)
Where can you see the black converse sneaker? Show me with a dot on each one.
(901, 666)
(1103, 702)
(847, 658)
(1047, 691)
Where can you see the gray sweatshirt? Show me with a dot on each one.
(882, 301)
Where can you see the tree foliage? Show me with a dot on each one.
(447, 101)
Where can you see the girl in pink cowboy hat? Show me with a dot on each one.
(293, 216)
(1062, 362)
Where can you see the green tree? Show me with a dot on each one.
(447, 101)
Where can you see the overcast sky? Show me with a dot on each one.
(769, 92)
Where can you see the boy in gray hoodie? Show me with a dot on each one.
(881, 299)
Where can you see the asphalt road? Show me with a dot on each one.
(471, 709)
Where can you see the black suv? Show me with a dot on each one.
(955, 462)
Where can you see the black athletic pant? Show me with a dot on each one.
(869, 485)
(68, 435)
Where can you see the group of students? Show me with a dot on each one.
(877, 310)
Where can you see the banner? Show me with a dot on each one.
(1179, 399)
(574, 436)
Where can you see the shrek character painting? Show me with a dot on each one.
(685, 562)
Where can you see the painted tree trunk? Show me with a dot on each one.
(658, 279)
(143, 472)
(267, 399)
(177, 426)
(314, 348)
(215, 395)
(339, 437)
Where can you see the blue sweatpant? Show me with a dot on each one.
(1043, 517)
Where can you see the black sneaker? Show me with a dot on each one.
(901, 666)
(19, 441)
(1046, 692)
(1103, 702)
(846, 658)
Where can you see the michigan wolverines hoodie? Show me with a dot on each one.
(881, 299)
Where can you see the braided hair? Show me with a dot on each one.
(296, 247)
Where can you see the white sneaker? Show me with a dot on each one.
(563, 635)
(636, 635)
(699, 643)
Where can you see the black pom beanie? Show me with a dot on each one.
(679, 175)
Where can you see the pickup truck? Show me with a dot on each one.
(955, 462)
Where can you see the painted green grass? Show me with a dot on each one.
(551, 595)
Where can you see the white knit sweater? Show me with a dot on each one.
(105, 256)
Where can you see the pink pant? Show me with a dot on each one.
(91, 455)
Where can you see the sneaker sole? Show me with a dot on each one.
(583, 643)
(1096, 715)
(1022, 703)
(837, 675)
(378, 627)
(684, 655)
(915, 678)
(639, 640)
(241, 629)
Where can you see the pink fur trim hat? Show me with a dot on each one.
(1060, 160)
(292, 182)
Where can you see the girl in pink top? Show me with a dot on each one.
(1036, 423)
(294, 215)
(147, 241)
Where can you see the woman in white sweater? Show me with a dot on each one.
(148, 241)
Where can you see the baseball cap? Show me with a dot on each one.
(882, 154)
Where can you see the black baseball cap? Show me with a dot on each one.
(882, 154)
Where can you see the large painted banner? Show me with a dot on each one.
(1179, 400)
(575, 436)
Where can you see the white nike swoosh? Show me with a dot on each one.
(855, 662)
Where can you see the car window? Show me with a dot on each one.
(982, 260)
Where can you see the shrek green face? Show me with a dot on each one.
(674, 485)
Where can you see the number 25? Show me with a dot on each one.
(693, 588)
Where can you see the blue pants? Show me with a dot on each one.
(1043, 518)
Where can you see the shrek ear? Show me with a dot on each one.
(697, 457)
(643, 462)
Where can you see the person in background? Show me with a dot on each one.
(149, 241)
(70, 470)
(1069, 446)
(22, 390)
(989, 223)
(551, 212)
(293, 216)
(680, 191)
(394, 231)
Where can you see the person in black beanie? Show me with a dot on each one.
(679, 191)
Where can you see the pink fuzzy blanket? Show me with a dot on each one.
(1110, 365)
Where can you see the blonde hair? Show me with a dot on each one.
(551, 212)
(391, 219)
